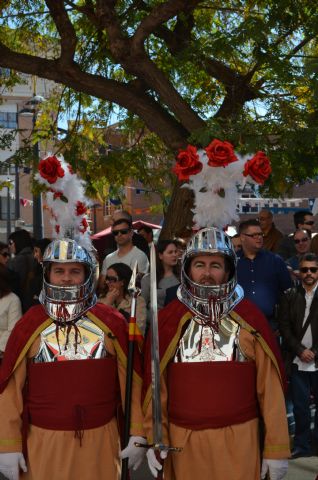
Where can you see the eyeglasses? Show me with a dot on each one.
(301, 240)
(5, 254)
(111, 279)
(310, 222)
(308, 269)
(123, 231)
(254, 235)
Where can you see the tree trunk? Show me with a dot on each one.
(178, 219)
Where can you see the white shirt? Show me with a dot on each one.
(307, 338)
(10, 313)
(129, 259)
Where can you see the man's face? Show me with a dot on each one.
(122, 233)
(302, 242)
(308, 223)
(308, 273)
(67, 274)
(252, 238)
(265, 220)
(237, 244)
(208, 270)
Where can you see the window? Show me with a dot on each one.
(8, 120)
(5, 72)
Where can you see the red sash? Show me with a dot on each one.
(211, 394)
(72, 395)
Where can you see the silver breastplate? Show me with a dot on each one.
(200, 343)
(81, 342)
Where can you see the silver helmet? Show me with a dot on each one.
(210, 303)
(67, 303)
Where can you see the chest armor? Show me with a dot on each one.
(81, 341)
(201, 343)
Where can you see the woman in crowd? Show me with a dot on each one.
(167, 272)
(116, 293)
(14, 279)
(10, 308)
(23, 263)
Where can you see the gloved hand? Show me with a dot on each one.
(277, 468)
(10, 464)
(134, 454)
(153, 463)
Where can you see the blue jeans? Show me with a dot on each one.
(303, 385)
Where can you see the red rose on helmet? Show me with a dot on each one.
(84, 225)
(50, 168)
(220, 154)
(258, 167)
(188, 163)
(81, 208)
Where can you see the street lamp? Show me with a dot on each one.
(33, 110)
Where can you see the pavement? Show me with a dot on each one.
(298, 469)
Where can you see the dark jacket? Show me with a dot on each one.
(291, 318)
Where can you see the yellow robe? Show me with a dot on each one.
(57, 455)
(232, 452)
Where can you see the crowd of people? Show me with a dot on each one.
(238, 337)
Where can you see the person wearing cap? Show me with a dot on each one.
(63, 379)
(221, 375)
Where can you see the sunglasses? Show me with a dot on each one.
(5, 254)
(253, 235)
(301, 240)
(308, 269)
(310, 222)
(123, 231)
(111, 279)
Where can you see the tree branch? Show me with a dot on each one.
(156, 118)
(65, 29)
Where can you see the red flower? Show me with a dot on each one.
(50, 168)
(81, 208)
(57, 194)
(84, 225)
(258, 167)
(70, 169)
(188, 163)
(57, 229)
(220, 153)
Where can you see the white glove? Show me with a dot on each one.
(153, 463)
(277, 468)
(10, 463)
(134, 454)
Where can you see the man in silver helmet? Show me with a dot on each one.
(221, 375)
(63, 379)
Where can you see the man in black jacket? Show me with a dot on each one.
(298, 323)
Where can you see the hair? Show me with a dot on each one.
(42, 244)
(267, 210)
(146, 228)
(314, 245)
(160, 248)
(21, 239)
(122, 220)
(300, 230)
(243, 226)
(180, 242)
(124, 214)
(308, 257)
(5, 287)
(124, 273)
(299, 217)
(3, 246)
(237, 235)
